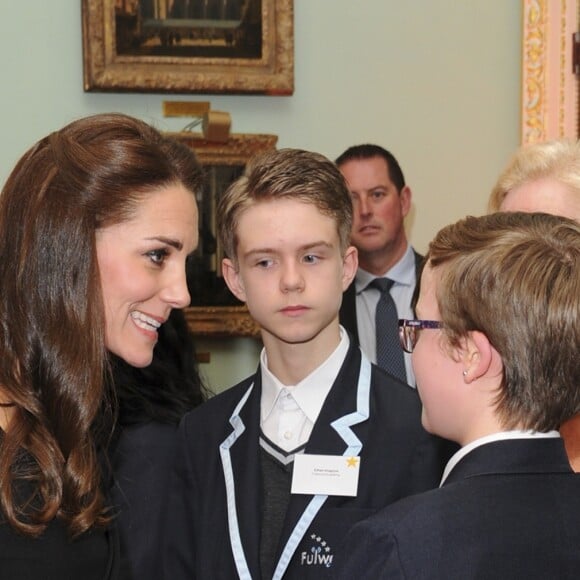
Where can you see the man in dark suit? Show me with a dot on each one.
(381, 200)
(498, 375)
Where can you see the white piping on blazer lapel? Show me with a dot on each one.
(354, 446)
(233, 526)
(343, 425)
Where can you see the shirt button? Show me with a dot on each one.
(288, 435)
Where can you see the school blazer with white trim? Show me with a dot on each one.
(214, 511)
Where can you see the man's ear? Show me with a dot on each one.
(233, 279)
(349, 266)
(406, 196)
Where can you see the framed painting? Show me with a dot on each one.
(187, 46)
(550, 83)
(214, 311)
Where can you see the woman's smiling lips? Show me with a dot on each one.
(146, 323)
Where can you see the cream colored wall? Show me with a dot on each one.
(435, 81)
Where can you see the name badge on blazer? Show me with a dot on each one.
(325, 475)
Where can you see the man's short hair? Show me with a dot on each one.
(369, 151)
(286, 174)
(516, 278)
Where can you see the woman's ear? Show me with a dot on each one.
(233, 279)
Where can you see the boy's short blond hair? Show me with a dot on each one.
(286, 174)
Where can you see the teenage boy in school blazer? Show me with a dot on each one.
(285, 226)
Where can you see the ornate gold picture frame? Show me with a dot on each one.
(212, 312)
(550, 103)
(174, 46)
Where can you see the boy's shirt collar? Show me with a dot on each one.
(311, 392)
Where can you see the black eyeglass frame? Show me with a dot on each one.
(409, 331)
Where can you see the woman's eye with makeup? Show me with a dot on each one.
(158, 256)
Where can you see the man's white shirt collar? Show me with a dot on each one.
(403, 272)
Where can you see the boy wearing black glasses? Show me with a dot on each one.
(275, 470)
(495, 354)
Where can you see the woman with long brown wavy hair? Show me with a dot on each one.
(96, 222)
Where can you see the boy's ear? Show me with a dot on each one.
(350, 266)
(478, 357)
(233, 279)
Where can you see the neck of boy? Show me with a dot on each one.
(488, 423)
(291, 362)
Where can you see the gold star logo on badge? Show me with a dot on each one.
(352, 461)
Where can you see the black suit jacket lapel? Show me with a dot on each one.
(419, 264)
(347, 314)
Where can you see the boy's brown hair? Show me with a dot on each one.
(515, 277)
(286, 174)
